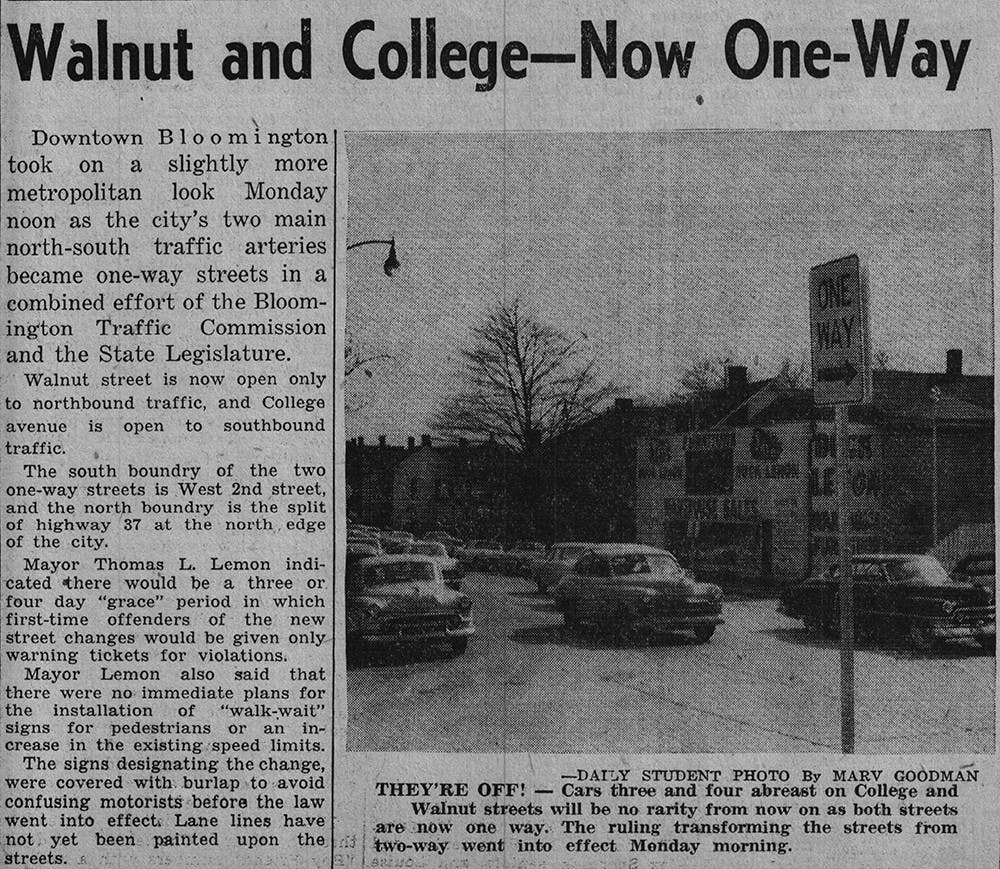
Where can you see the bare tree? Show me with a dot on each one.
(523, 381)
(357, 359)
(359, 364)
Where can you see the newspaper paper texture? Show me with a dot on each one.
(497, 435)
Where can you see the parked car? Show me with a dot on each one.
(402, 599)
(356, 538)
(898, 596)
(556, 563)
(480, 554)
(638, 590)
(515, 560)
(450, 568)
(979, 568)
(358, 550)
(450, 542)
(396, 542)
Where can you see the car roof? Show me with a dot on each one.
(890, 556)
(397, 559)
(613, 549)
(581, 543)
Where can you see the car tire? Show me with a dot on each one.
(459, 645)
(920, 635)
(988, 642)
(704, 634)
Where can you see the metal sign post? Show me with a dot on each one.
(841, 373)
(846, 590)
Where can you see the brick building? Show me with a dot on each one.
(463, 488)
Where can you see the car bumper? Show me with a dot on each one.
(675, 622)
(422, 637)
(950, 631)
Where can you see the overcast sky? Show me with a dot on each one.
(661, 249)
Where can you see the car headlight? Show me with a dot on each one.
(948, 607)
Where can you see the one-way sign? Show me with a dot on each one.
(838, 313)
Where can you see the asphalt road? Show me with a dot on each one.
(762, 684)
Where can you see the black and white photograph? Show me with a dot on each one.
(596, 497)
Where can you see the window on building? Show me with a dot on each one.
(413, 488)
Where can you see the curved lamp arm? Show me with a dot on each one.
(391, 263)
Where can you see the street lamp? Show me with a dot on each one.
(935, 398)
(391, 263)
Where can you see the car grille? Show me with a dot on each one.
(975, 613)
(420, 624)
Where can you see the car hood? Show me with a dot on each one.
(652, 583)
(409, 597)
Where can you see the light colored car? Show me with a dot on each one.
(402, 600)
(637, 590)
(450, 542)
(480, 554)
(450, 568)
(556, 563)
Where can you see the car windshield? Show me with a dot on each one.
(399, 572)
(570, 553)
(661, 565)
(432, 549)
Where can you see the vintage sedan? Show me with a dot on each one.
(897, 596)
(515, 561)
(450, 542)
(403, 600)
(395, 542)
(480, 554)
(450, 568)
(639, 591)
(556, 563)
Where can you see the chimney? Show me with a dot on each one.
(411, 442)
(381, 441)
(736, 378)
(425, 440)
(953, 365)
(361, 441)
(623, 405)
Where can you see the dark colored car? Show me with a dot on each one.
(637, 590)
(402, 600)
(902, 596)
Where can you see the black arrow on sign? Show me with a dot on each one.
(845, 372)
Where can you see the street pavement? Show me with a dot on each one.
(762, 684)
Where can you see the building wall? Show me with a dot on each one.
(733, 501)
(779, 482)
(866, 483)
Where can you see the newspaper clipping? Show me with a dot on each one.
(497, 435)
